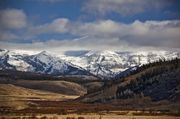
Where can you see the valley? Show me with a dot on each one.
(89, 59)
(41, 95)
(147, 91)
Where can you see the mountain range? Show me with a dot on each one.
(102, 64)
(153, 86)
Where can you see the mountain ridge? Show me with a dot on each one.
(103, 64)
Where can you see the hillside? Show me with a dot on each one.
(17, 97)
(154, 82)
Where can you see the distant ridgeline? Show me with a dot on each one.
(98, 64)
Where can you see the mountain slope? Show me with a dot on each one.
(157, 81)
(39, 63)
(108, 64)
(102, 64)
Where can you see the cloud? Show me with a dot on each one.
(149, 33)
(55, 45)
(154, 33)
(100, 34)
(56, 26)
(12, 19)
(111, 35)
(104, 35)
(123, 7)
(6, 35)
(99, 28)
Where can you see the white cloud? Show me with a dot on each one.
(12, 19)
(101, 34)
(106, 34)
(149, 33)
(111, 35)
(57, 26)
(55, 45)
(124, 7)
(98, 28)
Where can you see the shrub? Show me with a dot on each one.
(70, 118)
(81, 118)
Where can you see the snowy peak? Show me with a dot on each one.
(43, 53)
(104, 64)
(42, 62)
(43, 57)
(109, 63)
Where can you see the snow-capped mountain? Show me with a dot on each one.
(42, 62)
(109, 64)
(104, 64)
(100, 63)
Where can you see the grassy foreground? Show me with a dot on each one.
(88, 116)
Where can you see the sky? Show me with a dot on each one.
(62, 25)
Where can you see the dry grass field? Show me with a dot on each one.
(20, 98)
(21, 103)
(87, 116)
